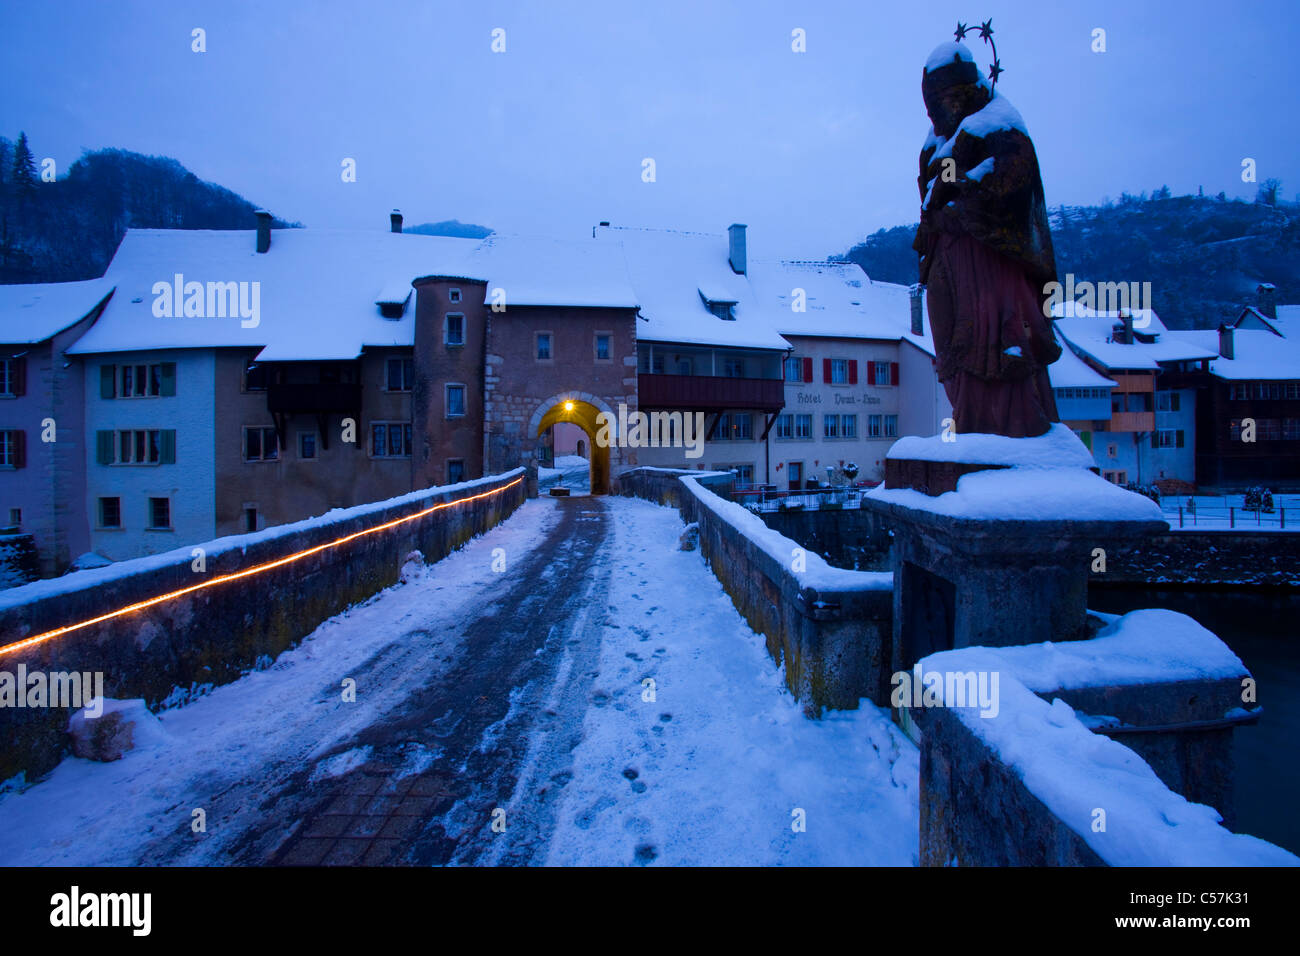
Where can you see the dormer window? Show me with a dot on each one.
(721, 308)
(453, 295)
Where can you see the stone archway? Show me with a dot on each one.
(581, 409)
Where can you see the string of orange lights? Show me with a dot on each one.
(247, 572)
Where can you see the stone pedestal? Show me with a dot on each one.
(960, 582)
(995, 539)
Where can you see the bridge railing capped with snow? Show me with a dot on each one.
(205, 614)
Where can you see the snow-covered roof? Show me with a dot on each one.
(670, 269)
(584, 273)
(317, 289)
(34, 313)
(1070, 371)
(839, 300)
(1092, 333)
(1258, 354)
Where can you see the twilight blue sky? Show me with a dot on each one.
(813, 150)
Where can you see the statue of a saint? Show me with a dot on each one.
(985, 252)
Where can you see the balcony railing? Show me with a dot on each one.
(1133, 421)
(312, 399)
(707, 392)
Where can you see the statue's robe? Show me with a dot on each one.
(986, 260)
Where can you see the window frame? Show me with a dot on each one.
(446, 330)
(549, 359)
(261, 444)
(446, 400)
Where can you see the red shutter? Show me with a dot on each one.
(871, 373)
(893, 373)
(853, 371)
(826, 371)
(807, 370)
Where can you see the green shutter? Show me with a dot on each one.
(169, 446)
(168, 375)
(108, 381)
(104, 447)
(1179, 437)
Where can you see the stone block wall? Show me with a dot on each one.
(214, 635)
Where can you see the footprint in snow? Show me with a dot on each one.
(645, 854)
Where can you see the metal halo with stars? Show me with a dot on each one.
(986, 34)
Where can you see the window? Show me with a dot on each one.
(1112, 451)
(13, 443)
(13, 377)
(1167, 401)
(830, 426)
(744, 474)
(685, 365)
(543, 351)
(390, 439)
(455, 470)
(453, 295)
(250, 517)
(603, 353)
(1268, 390)
(160, 513)
(839, 371)
(875, 425)
(657, 365)
(723, 310)
(849, 426)
(136, 446)
(455, 401)
(1117, 477)
(307, 442)
(261, 444)
(1290, 429)
(400, 374)
(1270, 429)
(454, 329)
(1167, 438)
(784, 427)
(15, 517)
(803, 426)
(882, 374)
(110, 512)
(891, 426)
(794, 369)
(734, 426)
(733, 367)
(137, 381)
(1292, 390)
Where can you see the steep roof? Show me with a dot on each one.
(839, 299)
(34, 313)
(674, 272)
(1070, 371)
(1258, 354)
(582, 273)
(317, 289)
(1092, 334)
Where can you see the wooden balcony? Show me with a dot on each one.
(709, 392)
(1133, 421)
(313, 399)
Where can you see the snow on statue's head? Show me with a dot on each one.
(952, 87)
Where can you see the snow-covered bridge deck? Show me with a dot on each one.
(521, 690)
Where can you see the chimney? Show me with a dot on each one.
(395, 220)
(736, 248)
(1126, 317)
(1225, 341)
(263, 230)
(1267, 300)
(918, 323)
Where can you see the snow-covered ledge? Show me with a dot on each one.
(829, 628)
(1021, 779)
